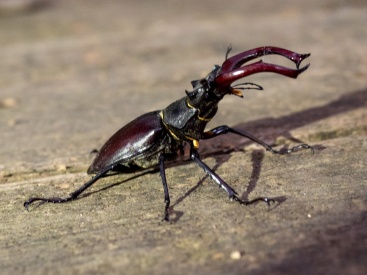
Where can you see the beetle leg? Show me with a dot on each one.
(231, 192)
(72, 196)
(221, 130)
(165, 187)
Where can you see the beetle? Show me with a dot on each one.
(151, 139)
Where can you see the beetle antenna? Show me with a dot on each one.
(240, 86)
(228, 50)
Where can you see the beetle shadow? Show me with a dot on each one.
(137, 174)
(271, 128)
(257, 157)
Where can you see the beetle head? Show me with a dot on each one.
(208, 91)
(204, 95)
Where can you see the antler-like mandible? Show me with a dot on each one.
(231, 69)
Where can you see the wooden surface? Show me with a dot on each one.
(73, 72)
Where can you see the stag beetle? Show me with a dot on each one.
(154, 137)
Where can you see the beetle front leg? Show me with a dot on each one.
(167, 200)
(231, 192)
(221, 130)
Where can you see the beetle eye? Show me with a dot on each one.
(191, 94)
(194, 83)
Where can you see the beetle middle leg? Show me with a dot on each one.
(167, 200)
(221, 130)
(231, 192)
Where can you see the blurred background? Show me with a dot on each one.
(72, 72)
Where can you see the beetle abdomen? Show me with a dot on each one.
(128, 143)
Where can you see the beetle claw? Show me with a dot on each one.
(291, 150)
(241, 201)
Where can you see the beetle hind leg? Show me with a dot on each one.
(72, 196)
(52, 200)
